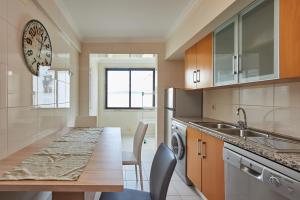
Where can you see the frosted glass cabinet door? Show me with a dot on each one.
(225, 53)
(257, 48)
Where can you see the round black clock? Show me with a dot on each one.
(37, 49)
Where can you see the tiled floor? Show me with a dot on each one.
(177, 189)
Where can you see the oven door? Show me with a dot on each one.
(177, 146)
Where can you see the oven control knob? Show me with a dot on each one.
(274, 181)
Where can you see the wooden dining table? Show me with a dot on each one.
(103, 173)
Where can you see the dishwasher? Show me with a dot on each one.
(251, 177)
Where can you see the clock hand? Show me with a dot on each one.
(40, 48)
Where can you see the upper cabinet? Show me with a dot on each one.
(199, 64)
(226, 53)
(259, 43)
(246, 47)
(289, 38)
(191, 68)
(204, 57)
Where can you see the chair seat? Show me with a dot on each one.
(128, 158)
(127, 194)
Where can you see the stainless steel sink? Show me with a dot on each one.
(215, 125)
(243, 133)
(230, 129)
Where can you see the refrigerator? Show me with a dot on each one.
(181, 103)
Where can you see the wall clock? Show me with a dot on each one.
(37, 49)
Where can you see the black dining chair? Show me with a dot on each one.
(162, 168)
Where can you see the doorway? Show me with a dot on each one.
(123, 92)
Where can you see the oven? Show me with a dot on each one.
(252, 177)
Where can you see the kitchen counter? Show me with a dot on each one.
(290, 160)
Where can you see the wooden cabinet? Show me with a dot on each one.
(198, 64)
(204, 55)
(289, 38)
(190, 68)
(205, 165)
(241, 55)
(213, 183)
(194, 159)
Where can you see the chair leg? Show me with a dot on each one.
(136, 173)
(141, 176)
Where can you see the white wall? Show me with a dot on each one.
(126, 119)
(169, 73)
(21, 122)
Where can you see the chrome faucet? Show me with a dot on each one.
(242, 124)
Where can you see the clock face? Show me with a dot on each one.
(37, 47)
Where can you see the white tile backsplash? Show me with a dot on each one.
(3, 10)
(21, 121)
(286, 120)
(260, 117)
(3, 64)
(257, 95)
(272, 107)
(3, 132)
(287, 94)
(22, 127)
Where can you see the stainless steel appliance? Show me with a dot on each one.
(252, 177)
(178, 145)
(180, 103)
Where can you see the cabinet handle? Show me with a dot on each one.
(194, 76)
(199, 147)
(203, 149)
(234, 65)
(240, 70)
(198, 75)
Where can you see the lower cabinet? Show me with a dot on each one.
(194, 159)
(205, 165)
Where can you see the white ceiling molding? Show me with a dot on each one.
(72, 41)
(185, 13)
(64, 11)
(123, 40)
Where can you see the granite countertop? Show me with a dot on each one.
(291, 160)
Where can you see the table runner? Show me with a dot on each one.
(64, 159)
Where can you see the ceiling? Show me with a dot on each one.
(124, 20)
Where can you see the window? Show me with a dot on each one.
(130, 88)
(52, 89)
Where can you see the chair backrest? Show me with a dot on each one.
(138, 140)
(86, 121)
(162, 168)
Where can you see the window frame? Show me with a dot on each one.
(129, 70)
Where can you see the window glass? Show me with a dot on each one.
(130, 88)
(117, 89)
(46, 90)
(142, 89)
